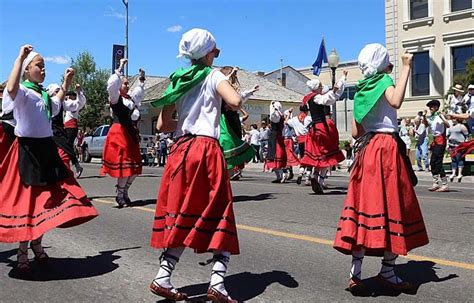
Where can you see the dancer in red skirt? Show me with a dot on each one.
(42, 193)
(381, 215)
(300, 125)
(7, 126)
(276, 157)
(121, 158)
(322, 141)
(194, 205)
(60, 137)
(288, 134)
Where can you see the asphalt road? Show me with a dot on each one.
(285, 235)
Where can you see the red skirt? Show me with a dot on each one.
(27, 212)
(5, 143)
(280, 159)
(121, 157)
(381, 211)
(292, 159)
(194, 205)
(64, 157)
(322, 146)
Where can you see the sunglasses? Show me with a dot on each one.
(216, 52)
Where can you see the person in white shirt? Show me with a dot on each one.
(75, 101)
(121, 156)
(455, 100)
(456, 134)
(255, 142)
(194, 206)
(276, 157)
(38, 192)
(381, 215)
(437, 124)
(420, 132)
(468, 101)
(264, 135)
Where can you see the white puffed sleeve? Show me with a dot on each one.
(75, 105)
(55, 106)
(331, 97)
(138, 94)
(113, 87)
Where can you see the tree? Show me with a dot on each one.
(94, 84)
(468, 77)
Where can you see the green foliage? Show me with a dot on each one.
(466, 78)
(94, 84)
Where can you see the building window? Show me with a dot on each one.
(461, 55)
(418, 9)
(459, 5)
(420, 74)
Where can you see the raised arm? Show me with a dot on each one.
(114, 83)
(229, 95)
(15, 75)
(395, 95)
(166, 123)
(68, 75)
(75, 105)
(333, 95)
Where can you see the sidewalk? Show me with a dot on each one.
(422, 176)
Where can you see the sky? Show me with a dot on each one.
(251, 34)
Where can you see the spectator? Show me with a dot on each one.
(468, 101)
(80, 145)
(163, 148)
(404, 132)
(349, 156)
(455, 100)
(457, 134)
(420, 131)
(255, 142)
(264, 135)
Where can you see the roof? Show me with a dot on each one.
(150, 81)
(326, 66)
(283, 68)
(269, 91)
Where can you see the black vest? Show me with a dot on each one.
(317, 112)
(122, 115)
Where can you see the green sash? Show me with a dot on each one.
(44, 95)
(368, 92)
(182, 81)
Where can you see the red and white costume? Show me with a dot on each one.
(42, 193)
(121, 157)
(194, 206)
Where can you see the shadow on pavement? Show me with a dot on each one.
(67, 268)
(92, 177)
(143, 202)
(259, 197)
(415, 272)
(101, 197)
(243, 286)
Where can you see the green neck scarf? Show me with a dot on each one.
(182, 81)
(369, 91)
(44, 95)
(433, 116)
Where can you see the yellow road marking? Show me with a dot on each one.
(282, 234)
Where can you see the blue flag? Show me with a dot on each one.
(322, 57)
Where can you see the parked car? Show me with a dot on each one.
(94, 144)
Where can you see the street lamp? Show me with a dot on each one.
(333, 62)
(125, 2)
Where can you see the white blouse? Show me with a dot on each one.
(381, 118)
(30, 113)
(113, 88)
(72, 107)
(7, 107)
(199, 110)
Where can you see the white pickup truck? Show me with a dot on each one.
(94, 144)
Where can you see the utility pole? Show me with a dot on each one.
(125, 2)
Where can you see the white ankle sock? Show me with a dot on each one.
(168, 262)
(357, 258)
(387, 270)
(219, 271)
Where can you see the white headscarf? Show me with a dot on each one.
(275, 105)
(51, 89)
(196, 43)
(373, 58)
(27, 61)
(313, 84)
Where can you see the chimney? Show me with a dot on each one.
(260, 74)
(283, 79)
